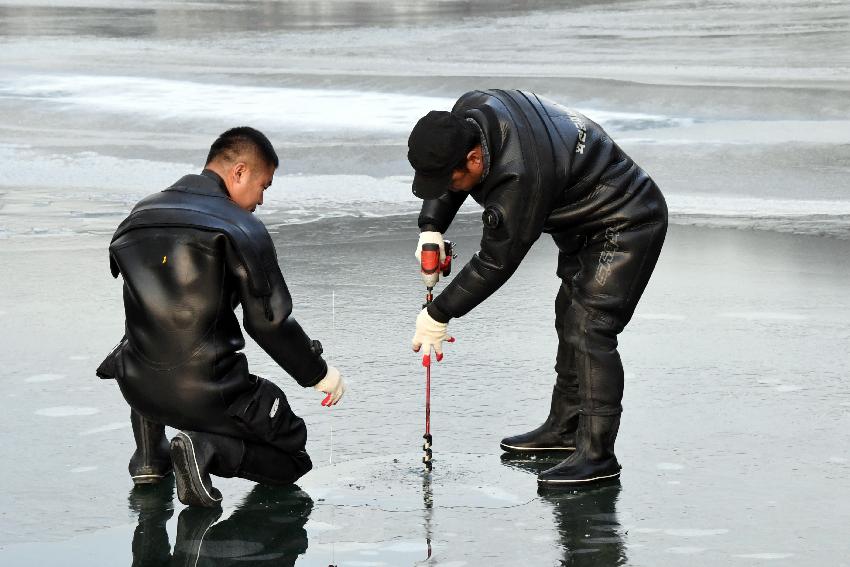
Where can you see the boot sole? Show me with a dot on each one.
(190, 488)
(140, 479)
(574, 482)
(512, 449)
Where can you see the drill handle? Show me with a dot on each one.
(446, 266)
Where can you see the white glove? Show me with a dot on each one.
(430, 333)
(431, 237)
(333, 385)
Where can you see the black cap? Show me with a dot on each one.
(437, 144)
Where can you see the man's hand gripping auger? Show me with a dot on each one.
(431, 269)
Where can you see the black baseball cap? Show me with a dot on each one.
(437, 144)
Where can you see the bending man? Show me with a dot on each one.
(538, 167)
(189, 256)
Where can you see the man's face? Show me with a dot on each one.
(466, 179)
(246, 182)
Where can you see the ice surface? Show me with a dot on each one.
(45, 378)
(66, 411)
(108, 427)
(735, 362)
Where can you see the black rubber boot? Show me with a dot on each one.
(594, 461)
(193, 456)
(152, 460)
(556, 435)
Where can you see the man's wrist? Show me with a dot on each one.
(318, 377)
(437, 315)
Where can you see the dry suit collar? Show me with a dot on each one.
(210, 174)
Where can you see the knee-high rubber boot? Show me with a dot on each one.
(196, 455)
(151, 462)
(594, 460)
(557, 434)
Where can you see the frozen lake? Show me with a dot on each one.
(734, 440)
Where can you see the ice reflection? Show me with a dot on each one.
(267, 528)
(585, 520)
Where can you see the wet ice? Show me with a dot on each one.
(66, 411)
(724, 308)
(45, 378)
(114, 426)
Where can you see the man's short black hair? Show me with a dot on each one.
(241, 140)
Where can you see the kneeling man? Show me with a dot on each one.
(189, 255)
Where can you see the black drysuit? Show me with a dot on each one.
(550, 169)
(189, 256)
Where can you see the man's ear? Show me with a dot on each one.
(474, 156)
(239, 170)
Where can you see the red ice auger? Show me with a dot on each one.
(431, 269)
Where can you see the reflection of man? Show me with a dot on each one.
(189, 256)
(154, 507)
(586, 520)
(538, 167)
(588, 527)
(267, 528)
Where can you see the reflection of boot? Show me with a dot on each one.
(152, 460)
(532, 464)
(594, 460)
(588, 528)
(289, 499)
(153, 504)
(192, 526)
(267, 528)
(193, 456)
(270, 519)
(152, 499)
(557, 434)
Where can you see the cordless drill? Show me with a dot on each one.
(431, 268)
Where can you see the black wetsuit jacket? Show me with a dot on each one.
(189, 255)
(550, 170)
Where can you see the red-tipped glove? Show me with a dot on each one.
(333, 385)
(430, 334)
(431, 237)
